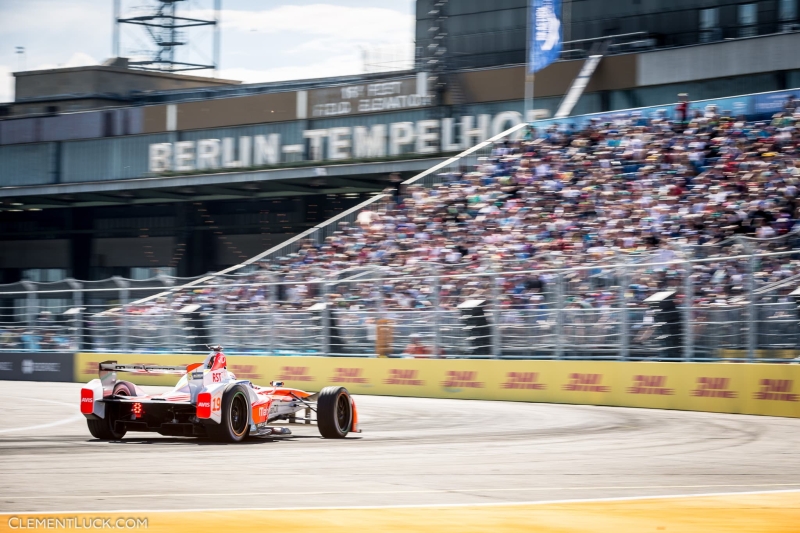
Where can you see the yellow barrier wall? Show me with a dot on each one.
(763, 389)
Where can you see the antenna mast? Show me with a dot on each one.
(168, 31)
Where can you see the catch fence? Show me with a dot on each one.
(728, 305)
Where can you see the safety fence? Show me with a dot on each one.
(668, 305)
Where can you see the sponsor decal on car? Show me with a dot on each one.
(586, 383)
(650, 385)
(348, 375)
(462, 379)
(87, 401)
(204, 405)
(713, 387)
(776, 390)
(295, 373)
(523, 381)
(402, 376)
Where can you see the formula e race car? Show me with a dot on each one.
(209, 401)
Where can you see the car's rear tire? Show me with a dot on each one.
(124, 388)
(104, 428)
(235, 423)
(334, 413)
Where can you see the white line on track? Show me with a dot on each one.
(412, 506)
(384, 492)
(42, 426)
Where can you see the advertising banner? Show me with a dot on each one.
(36, 366)
(772, 390)
(762, 389)
(769, 103)
(545, 34)
(712, 387)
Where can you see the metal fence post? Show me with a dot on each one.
(559, 308)
(624, 326)
(124, 298)
(273, 290)
(30, 305)
(437, 313)
(497, 349)
(326, 318)
(751, 308)
(170, 323)
(688, 306)
(77, 299)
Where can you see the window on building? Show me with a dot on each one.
(44, 275)
(787, 10)
(709, 25)
(748, 20)
(151, 272)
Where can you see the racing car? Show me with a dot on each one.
(208, 401)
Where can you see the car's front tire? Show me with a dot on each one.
(235, 423)
(334, 413)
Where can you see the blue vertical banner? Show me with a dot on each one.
(545, 34)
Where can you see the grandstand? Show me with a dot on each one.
(636, 237)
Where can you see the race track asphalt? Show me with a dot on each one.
(412, 452)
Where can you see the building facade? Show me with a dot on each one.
(195, 178)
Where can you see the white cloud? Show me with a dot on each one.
(334, 66)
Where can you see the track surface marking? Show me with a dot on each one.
(413, 452)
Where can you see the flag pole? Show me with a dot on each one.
(528, 106)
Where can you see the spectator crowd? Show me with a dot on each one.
(633, 190)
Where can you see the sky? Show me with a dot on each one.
(261, 40)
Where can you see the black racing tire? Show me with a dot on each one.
(104, 428)
(334, 413)
(124, 388)
(235, 423)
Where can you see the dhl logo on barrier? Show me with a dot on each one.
(523, 381)
(401, 376)
(295, 373)
(461, 379)
(708, 387)
(777, 390)
(245, 371)
(585, 383)
(650, 385)
(349, 375)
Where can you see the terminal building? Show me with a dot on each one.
(107, 170)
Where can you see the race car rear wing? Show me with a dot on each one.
(113, 366)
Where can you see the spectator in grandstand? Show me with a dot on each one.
(631, 189)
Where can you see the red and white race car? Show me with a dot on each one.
(209, 401)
